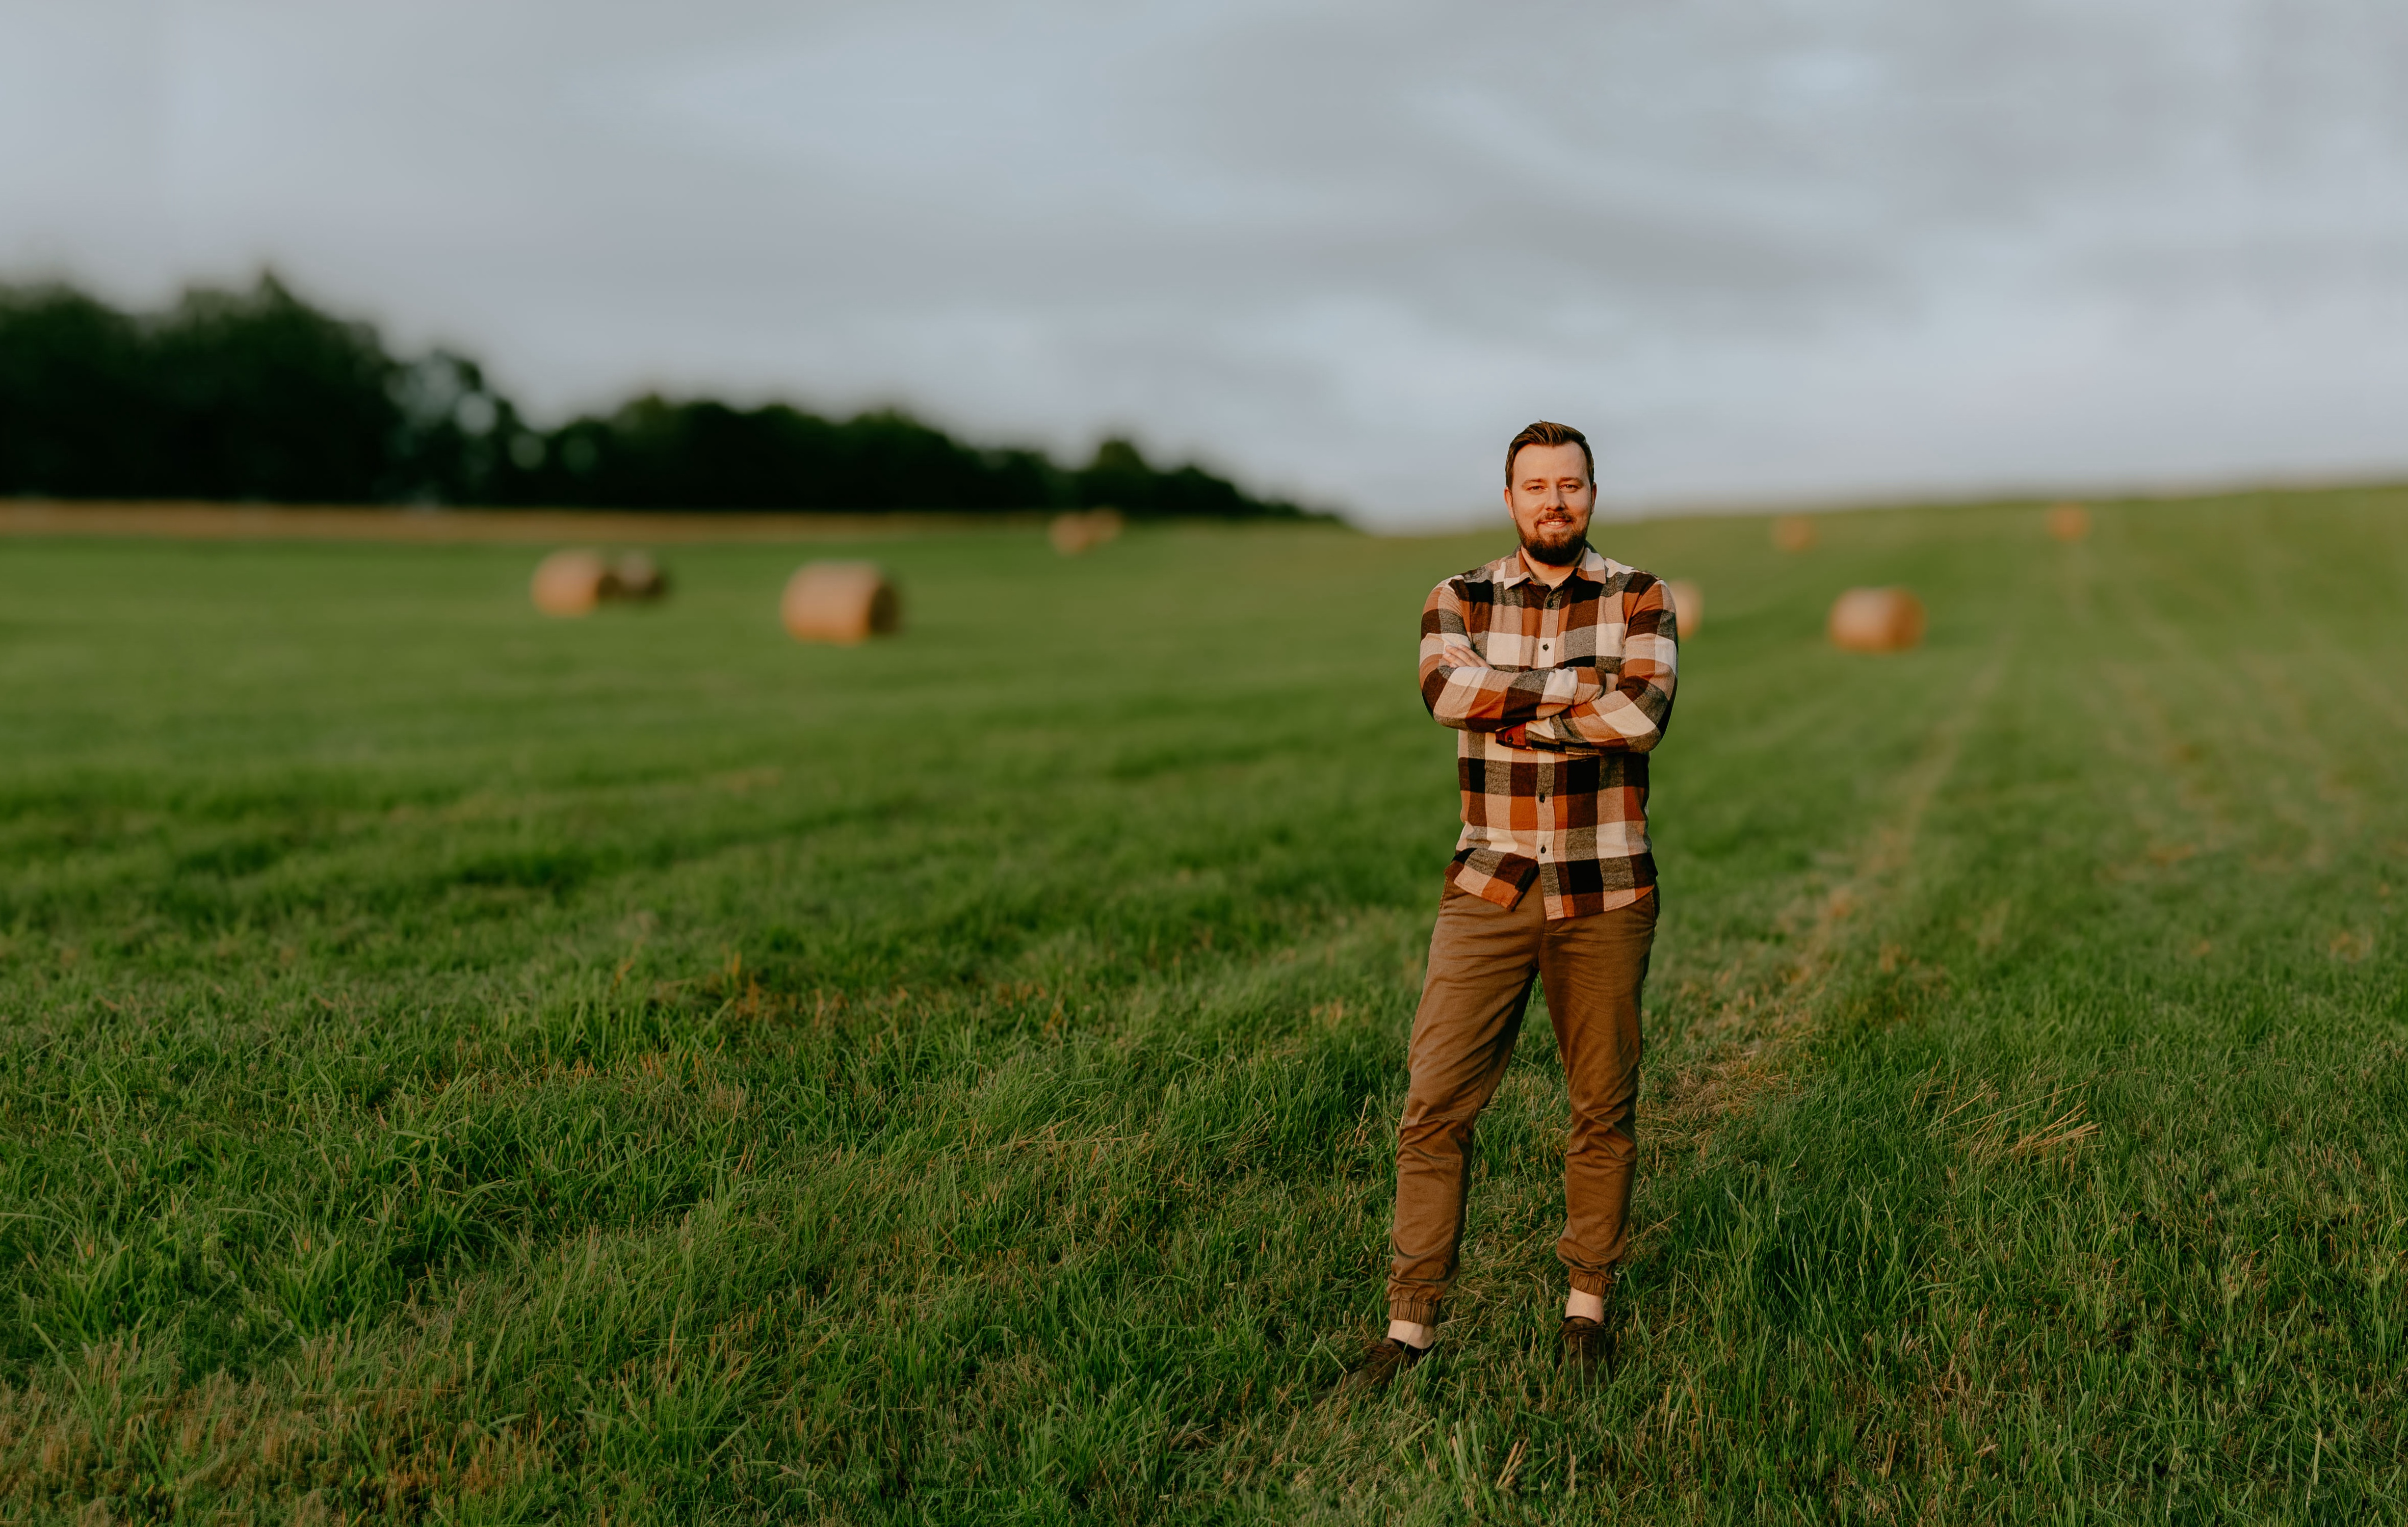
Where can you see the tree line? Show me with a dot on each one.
(257, 395)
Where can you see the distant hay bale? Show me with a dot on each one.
(636, 575)
(1876, 621)
(571, 582)
(1794, 533)
(1079, 531)
(840, 602)
(1688, 606)
(2069, 521)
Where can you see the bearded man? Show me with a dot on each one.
(1555, 666)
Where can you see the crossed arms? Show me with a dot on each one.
(1561, 709)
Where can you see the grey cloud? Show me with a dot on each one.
(1778, 249)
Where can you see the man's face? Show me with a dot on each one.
(1550, 498)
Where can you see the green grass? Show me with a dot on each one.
(465, 1067)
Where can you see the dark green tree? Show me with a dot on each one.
(258, 396)
(262, 396)
(79, 415)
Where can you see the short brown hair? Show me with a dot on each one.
(1546, 433)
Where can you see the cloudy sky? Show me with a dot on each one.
(1763, 251)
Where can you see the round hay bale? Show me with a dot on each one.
(571, 582)
(636, 576)
(2069, 521)
(840, 602)
(1876, 621)
(1688, 606)
(1080, 530)
(1794, 533)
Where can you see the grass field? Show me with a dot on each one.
(465, 1067)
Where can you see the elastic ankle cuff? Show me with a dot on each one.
(1596, 1283)
(1418, 1311)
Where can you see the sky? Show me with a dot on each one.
(1764, 253)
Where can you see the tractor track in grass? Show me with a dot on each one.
(1755, 1051)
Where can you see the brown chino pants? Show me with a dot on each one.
(1481, 961)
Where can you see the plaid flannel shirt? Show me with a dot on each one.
(1582, 673)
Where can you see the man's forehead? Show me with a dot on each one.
(1537, 459)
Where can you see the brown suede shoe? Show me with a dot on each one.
(1380, 1364)
(1587, 1347)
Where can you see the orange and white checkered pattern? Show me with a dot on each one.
(1586, 670)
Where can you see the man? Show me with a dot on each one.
(1555, 665)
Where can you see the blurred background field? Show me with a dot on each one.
(466, 1066)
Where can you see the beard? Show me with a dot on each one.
(1561, 550)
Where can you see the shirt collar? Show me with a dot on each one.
(1511, 568)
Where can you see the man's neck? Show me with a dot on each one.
(1547, 572)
